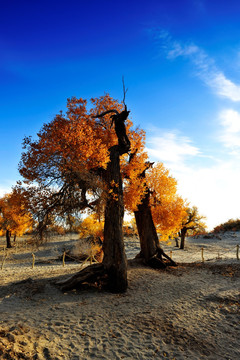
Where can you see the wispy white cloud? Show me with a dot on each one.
(212, 187)
(230, 133)
(205, 66)
(223, 86)
(171, 148)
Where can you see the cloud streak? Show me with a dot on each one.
(171, 148)
(230, 134)
(211, 188)
(205, 66)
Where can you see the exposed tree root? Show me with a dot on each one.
(161, 254)
(91, 274)
(160, 260)
(159, 263)
(96, 275)
(155, 263)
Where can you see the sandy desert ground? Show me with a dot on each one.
(188, 312)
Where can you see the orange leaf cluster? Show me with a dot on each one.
(168, 208)
(91, 226)
(70, 148)
(13, 215)
(68, 141)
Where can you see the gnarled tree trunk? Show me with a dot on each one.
(113, 269)
(114, 261)
(151, 251)
(183, 234)
(146, 229)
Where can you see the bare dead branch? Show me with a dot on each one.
(106, 112)
(124, 92)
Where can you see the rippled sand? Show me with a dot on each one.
(188, 312)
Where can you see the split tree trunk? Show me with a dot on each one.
(151, 251)
(146, 229)
(183, 234)
(8, 238)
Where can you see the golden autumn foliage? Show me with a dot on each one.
(91, 226)
(13, 215)
(193, 222)
(134, 186)
(68, 142)
(71, 146)
(75, 142)
(168, 208)
(65, 166)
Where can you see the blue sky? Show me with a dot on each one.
(181, 63)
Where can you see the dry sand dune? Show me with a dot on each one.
(188, 312)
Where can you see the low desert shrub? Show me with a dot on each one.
(230, 225)
(88, 247)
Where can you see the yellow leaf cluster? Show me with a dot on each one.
(91, 226)
(69, 148)
(168, 208)
(74, 143)
(13, 215)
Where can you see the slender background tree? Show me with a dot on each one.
(15, 219)
(193, 223)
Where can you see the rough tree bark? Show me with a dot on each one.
(113, 270)
(114, 261)
(177, 242)
(151, 251)
(183, 234)
(8, 238)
